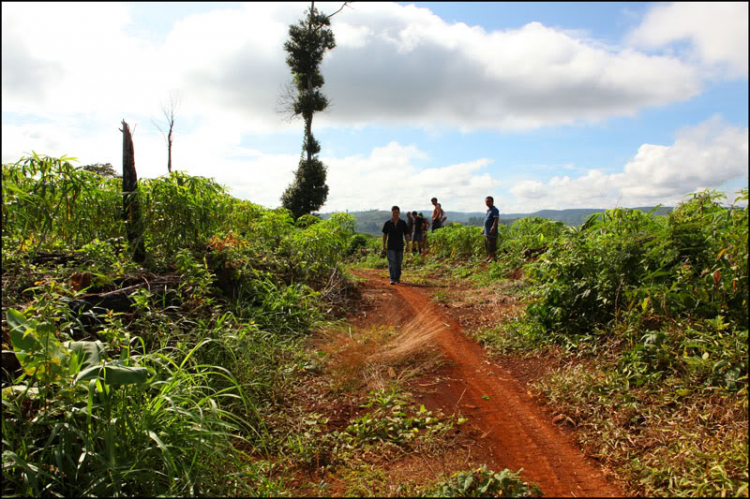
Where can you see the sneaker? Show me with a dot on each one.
(393, 282)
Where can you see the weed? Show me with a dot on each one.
(483, 482)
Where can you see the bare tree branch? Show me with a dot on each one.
(285, 102)
(328, 17)
(166, 127)
(342, 8)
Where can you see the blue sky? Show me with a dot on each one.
(542, 105)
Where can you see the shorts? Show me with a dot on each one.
(436, 224)
(417, 237)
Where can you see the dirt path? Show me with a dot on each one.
(514, 429)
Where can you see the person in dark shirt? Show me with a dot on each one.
(490, 229)
(410, 225)
(395, 231)
(417, 244)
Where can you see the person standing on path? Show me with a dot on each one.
(410, 225)
(417, 242)
(395, 231)
(425, 228)
(490, 229)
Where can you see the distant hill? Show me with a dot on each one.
(371, 221)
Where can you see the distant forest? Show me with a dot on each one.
(371, 221)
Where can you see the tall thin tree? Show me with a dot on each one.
(166, 126)
(309, 39)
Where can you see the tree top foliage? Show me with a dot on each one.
(308, 41)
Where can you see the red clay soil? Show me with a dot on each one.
(515, 429)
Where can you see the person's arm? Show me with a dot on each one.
(496, 219)
(385, 236)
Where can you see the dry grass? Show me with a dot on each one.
(372, 358)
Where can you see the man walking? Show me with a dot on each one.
(395, 231)
(490, 229)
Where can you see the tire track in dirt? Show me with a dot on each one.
(517, 431)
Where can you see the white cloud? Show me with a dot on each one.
(717, 32)
(389, 176)
(419, 70)
(530, 189)
(91, 65)
(705, 156)
(393, 64)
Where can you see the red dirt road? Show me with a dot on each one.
(516, 431)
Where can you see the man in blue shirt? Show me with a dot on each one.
(490, 229)
(395, 231)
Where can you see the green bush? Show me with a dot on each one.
(47, 202)
(692, 262)
(456, 240)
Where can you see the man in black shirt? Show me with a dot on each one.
(394, 232)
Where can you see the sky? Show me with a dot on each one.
(540, 105)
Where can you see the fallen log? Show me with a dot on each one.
(56, 258)
(119, 300)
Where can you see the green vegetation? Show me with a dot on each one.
(192, 374)
(122, 379)
(390, 421)
(650, 314)
(188, 374)
(485, 483)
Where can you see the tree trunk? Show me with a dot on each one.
(169, 147)
(131, 208)
(308, 137)
(308, 120)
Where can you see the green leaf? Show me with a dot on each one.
(114, 374)
(89, 352)
(467, 483)
(22, 334)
